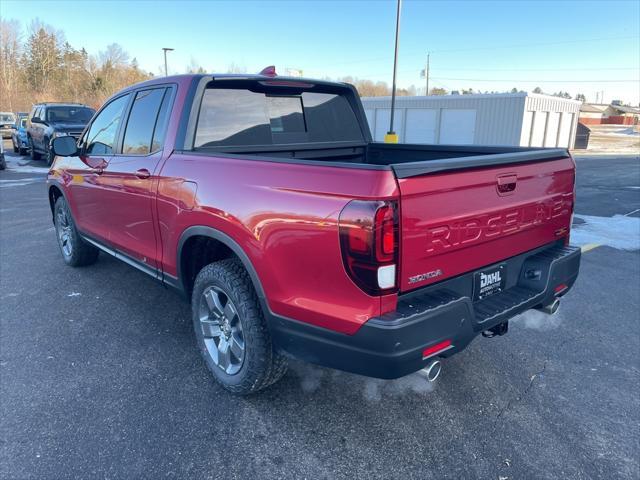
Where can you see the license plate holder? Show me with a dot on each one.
(489, 281)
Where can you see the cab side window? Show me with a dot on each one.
(102, 135)
(143, 121)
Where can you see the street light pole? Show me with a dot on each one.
(426, 73)
(391, 136)
(165, 49)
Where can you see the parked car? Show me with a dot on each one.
(3, 162)
(19, 135)
(264, 201)
(7, 121)
(50, 120)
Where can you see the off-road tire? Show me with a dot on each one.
(262, 365)
(81, 253)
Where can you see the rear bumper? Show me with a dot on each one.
(391, 346)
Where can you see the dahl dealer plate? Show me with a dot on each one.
(489, 281)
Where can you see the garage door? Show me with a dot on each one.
(565, 129)
(421, 126)
(458, 127)
(553, 124)
(525, 136)
(370, 118)
(383, 115)
(539, 125)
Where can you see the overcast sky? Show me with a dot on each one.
(574, 46)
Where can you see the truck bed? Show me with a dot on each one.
(406, 160)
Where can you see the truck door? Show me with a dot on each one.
(127, 183)
(90, 205)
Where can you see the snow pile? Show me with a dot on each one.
(619, 231)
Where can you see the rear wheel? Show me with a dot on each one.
(231, 331)
(75, 251)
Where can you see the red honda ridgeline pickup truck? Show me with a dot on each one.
(264, 201)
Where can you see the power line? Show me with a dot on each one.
(536, 44)
(538, 81)
(496, 47)
(467, 69)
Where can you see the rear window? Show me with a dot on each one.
(240, 117)
(80, 115)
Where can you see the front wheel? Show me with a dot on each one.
(49, 155)
(32, 150)
(75, 251)
(15, 147)
(231, 330)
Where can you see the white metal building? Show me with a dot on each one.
(516, 119)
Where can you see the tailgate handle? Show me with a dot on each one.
(507, 183)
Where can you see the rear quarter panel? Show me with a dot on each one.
(284, 216)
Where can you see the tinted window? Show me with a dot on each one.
(239, 117)
(161, 123)
(101, 138)
(80, 115)
(142, 121)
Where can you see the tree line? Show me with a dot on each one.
(39, 65)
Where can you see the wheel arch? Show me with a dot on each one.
(228, 242)
(54, 193)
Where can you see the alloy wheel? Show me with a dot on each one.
(222, 330)
(64, 232)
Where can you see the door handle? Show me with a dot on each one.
(143, 173)
(507, 184)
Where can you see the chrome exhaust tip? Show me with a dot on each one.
(552, 308)
(432, 371)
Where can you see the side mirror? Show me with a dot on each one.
(36, 120)
(64, 146)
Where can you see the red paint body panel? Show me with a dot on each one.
(457, 222)
(284, 216)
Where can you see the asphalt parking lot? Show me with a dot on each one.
(100, 377)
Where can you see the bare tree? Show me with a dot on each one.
(10, 50)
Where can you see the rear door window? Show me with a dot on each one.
(239, 117)
(138, 137)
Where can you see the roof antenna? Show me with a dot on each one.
(269, 71)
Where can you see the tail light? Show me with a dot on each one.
(369, 243)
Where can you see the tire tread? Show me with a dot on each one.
(267, 366)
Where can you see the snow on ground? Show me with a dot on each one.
(21, 165)
(619, 231)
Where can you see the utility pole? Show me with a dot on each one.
(426, 74)
(165, 49)
(391, 136)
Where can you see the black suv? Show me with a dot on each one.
(50, 120)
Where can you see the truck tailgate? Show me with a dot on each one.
(460, 221)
